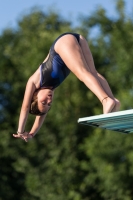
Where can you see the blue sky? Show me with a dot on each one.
(12, 10)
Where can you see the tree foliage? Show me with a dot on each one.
(65, 160)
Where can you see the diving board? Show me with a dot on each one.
(121, 121)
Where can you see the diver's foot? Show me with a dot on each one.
(117, 106)
(108, 105)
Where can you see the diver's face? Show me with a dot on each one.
(45, 97)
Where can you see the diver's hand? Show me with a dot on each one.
(24, 136)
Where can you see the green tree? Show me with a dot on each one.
(65, 160)
(108, 164)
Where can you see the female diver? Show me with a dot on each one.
(69, 52)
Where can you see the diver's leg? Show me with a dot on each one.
(71, 53)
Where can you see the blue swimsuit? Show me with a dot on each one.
(54, 71)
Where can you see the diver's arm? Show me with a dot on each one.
(37, 124)
(30, 89)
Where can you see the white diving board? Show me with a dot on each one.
(121, 121)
